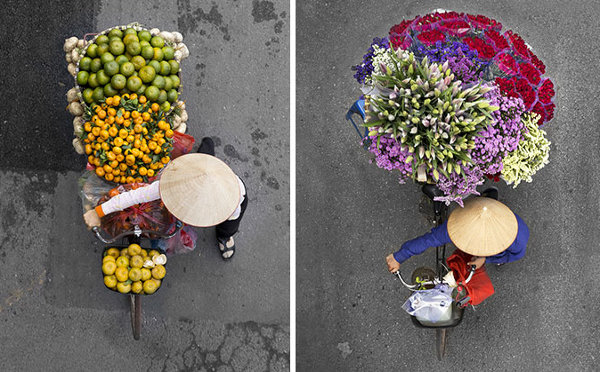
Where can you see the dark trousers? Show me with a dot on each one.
(225, 229)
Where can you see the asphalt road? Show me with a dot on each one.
(55, 314)
(544, 315)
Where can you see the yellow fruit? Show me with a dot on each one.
(137, 287)
(123, 261)
(122, 274)
(110, 281)
(158, 272)
(109, 267)
(108, 258)
(124, 252)
(113, 252)
(136, 261)
(135, 274)
(124, 287)
(156, 281)
(153, 253)
(150, 286)
(146, 274)
(144, 253)
(134, 249)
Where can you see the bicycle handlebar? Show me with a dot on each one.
(413, 286)
(137, 232)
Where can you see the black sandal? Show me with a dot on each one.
(226, 248)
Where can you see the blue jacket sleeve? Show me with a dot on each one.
(516, 250)
(438, 236)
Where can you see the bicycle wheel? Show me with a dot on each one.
(136, 315)
(440, 338)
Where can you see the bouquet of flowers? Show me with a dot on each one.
(451, 99)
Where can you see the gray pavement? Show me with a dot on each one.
(544, 315)
(55, 314)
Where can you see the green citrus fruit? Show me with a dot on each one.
(148, 52)
(91, 50)
(162, 97)
(159, 82)
(134, 83)
(102, 48)
(127, 69)
(152, 93)
(116, 47)
(168, 52)
(158, 54)
(92, 80)
(107, 57)
(109, 91)
(121, 59)
(95, 65)
(98, 94)
(130, 38)
(141, 91)
(85, 63)
(102, 77)
(155, 65)
(130, 31)
(175, 80)
(172, 96)
(138, 62)
(144, 43)
(82, 77)
(157, 42)
(111, 68)
(118, 81)
(87, 95)
(174, 66)
(165, 68)
(134, 48)
(145, 35)
(115, 32)
(168, 83)
(102, 39)
(166, 106)
(147, 74)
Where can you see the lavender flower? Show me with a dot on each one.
(463, 61)
(456, 187)
(390, 155)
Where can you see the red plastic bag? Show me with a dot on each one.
(182, 144)
(151, 215)
(480, 286)
(183, 242)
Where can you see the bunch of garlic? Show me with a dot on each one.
(180, 120)
(73, 48)
(76, 109)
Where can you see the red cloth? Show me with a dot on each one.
(480, 286)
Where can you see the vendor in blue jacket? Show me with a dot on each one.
(485, 228)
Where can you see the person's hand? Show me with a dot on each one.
(393, 265)
(91, 218)
(477, 261)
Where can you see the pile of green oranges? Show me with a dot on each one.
(128, 61)
(133, 270)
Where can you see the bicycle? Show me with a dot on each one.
(127, 238)
(424, 277)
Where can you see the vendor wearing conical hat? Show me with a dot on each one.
(198, 189)
(485, 228)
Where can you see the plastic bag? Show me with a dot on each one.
(430, 304)
(183, 242)
(182, 144)
(479, 287)
(151, 215)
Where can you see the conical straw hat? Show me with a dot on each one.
(199, 190)
(484, 227)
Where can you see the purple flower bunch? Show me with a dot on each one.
(365, 69)
(502, 135)
(391, 154)
(462, 60)
(457, 186)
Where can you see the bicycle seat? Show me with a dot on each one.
(431, 191)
